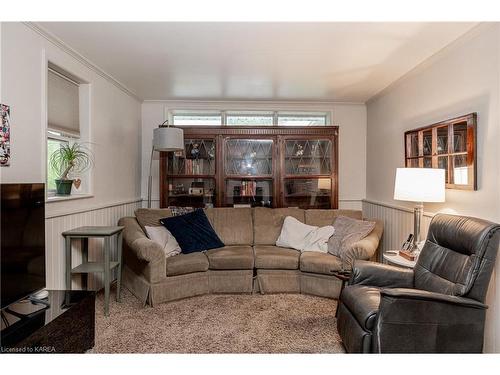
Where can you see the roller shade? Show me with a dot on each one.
(63, 104)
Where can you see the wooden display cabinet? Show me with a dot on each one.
(260, 166)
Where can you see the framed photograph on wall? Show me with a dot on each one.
(5, 135)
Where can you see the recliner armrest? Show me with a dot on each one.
(418, 294)
(381, 275)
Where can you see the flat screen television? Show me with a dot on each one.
(22, 242)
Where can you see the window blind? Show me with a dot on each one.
(63, 104)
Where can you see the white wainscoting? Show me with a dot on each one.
(398, 222)
(58, 223)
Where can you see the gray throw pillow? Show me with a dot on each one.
(347, 232)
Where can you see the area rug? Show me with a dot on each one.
(275, 323)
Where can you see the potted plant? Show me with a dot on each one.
(69, 158)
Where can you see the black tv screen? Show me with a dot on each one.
(22, 241)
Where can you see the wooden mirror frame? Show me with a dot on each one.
(418, 154)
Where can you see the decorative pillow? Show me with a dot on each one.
(347, 232)
(193, 232)
(178, 211)
(151, 216)
(164, 238)
(303, 237)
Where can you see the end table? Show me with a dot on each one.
(108, 233)
(393, 257)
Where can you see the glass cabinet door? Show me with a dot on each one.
(308, 169)
(191, 174)
(248, 157)
(197, 158)
(308, 157)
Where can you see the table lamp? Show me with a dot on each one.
(165, 138)
(419, 185)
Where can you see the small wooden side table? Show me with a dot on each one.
(108, 233)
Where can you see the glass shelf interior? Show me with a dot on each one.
(306, 157)
(197, 158)
(308, 193)
(249, 157)
(191, 192)
(247, 191)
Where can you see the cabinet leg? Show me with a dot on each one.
(107, 250)
(119, 270)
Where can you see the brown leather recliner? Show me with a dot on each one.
(438, 307)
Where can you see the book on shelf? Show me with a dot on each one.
(193, 166)
(248, 188)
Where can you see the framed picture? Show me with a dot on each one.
(5, 135)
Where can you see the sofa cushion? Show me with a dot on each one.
(234, 226)
(151, 216)
(363, 302)
(231, 258)
(320, 218)
(323, 263)
(267, 223)
(193, 232)
(273, 257)
(347, 232)
(186, 263)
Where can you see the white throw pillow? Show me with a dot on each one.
(165, 239)
(303, 237)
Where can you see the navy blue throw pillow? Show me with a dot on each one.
(192, 231)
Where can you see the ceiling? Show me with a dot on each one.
(345, 62)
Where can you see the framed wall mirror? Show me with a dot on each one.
(449, 145)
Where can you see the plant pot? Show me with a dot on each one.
(63, 187)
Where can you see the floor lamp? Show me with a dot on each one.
(419, 185)
(166, 138)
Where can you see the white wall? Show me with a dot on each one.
(114, 127)
(351, 119)
(463, 78)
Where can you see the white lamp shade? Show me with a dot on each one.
(420, 185)
(168, 139)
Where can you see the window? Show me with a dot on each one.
(301, 120)
(248, 118)
(54, 142)
(63, 117)
(197, 119)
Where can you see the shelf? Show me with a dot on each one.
(189, 195)
(307, 195)
(240, 177)
(93, 267)
(191, 176)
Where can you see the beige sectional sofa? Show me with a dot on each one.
(249, 262)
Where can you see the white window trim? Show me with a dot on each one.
(275, 113)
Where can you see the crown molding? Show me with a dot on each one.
(80, 58)
(462, 39)
(253, 102)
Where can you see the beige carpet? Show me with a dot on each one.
(279, 323)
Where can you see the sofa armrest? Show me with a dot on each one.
(138, 242)
(424, 295)
(381, 275)
(363, 249)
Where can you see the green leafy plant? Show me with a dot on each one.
(75, 158)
